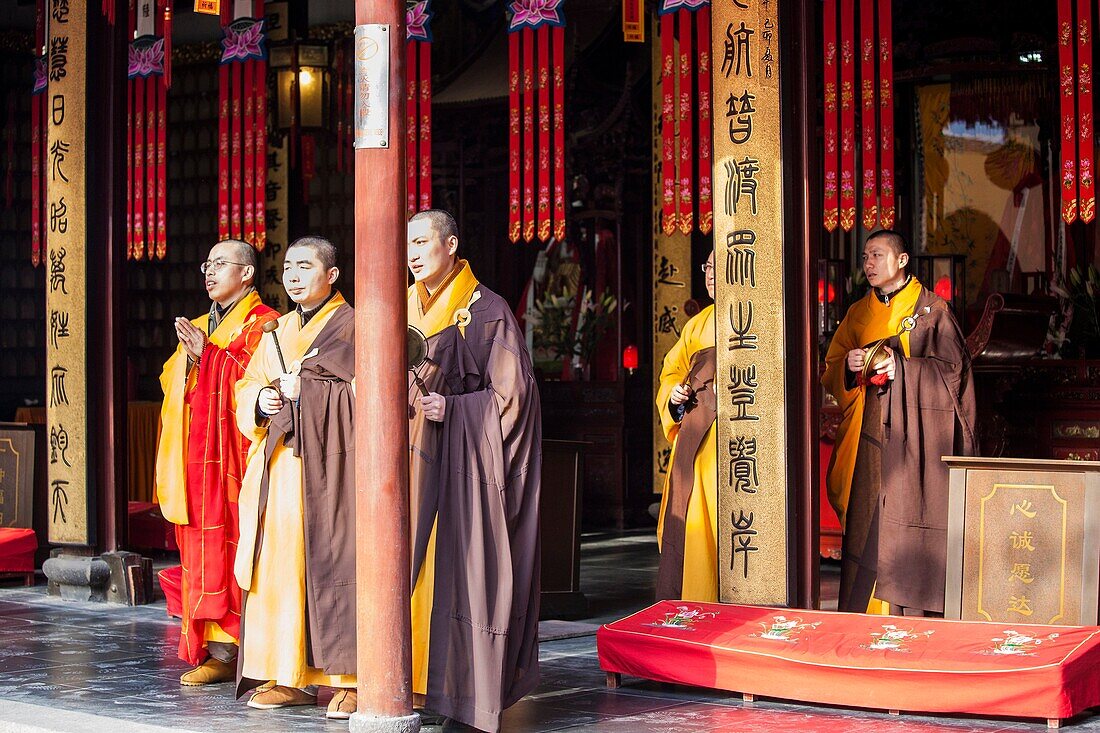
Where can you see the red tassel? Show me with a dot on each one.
(1086, 182)
(847, 116)
(544, 212)
(668, 124)
(514, 141)
(870, 135)
(558, 51)
(259, 109)
(684, 120)
(411, 133)
(702, 36)
(831, 122)
(425, 125)
(1069, 119)
(162, 169)
(140, 130)
(886, 111)
(235, 93)
(528, 134)
(249, 182)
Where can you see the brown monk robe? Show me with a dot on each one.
(895, 536)
(475, 494)
(928, 411)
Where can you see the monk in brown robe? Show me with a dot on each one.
(475, 467)
(296, 559)
(887, 481)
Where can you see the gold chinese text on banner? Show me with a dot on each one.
(671, 286)
(271, 259)
(66, 314)
(208, 7)
(748, 235)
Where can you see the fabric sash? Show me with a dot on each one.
(697, 422)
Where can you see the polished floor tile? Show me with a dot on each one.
(120, 664)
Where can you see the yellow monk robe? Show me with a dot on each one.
(432, 313)
(274, 643)
(866, 321)
(177, 381)
(701, 538)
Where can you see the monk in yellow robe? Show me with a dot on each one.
(687, 528)
(900, 415)
(475, 457)
(201, 457)
(296, 559)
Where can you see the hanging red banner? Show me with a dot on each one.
(886, 112)
(425, 124)
(242, 127)
(411, 131)
(1086, 182)
(702, 35)
(668, 123)
(260, 188)
(1068, 112)
(558, 53)
(528, 134)
(685, 122)
(543, 53)
(543, 207)
(870, 137)
(515, 163)
(831, 122)
(847, 116)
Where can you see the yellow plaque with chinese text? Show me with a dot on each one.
(753, 553)
(65, 170)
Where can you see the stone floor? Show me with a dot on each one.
(91, 667)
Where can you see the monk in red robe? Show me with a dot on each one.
(201, 456)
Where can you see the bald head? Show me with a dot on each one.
(885, 259)
(230, 270)
(894, 239)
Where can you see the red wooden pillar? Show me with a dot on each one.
(384, 658)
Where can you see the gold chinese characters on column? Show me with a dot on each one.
(66, 249)
(748, 236)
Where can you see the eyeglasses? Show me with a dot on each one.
(215, 265)
(708, 267)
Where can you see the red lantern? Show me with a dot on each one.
(822, 288)
(630, 358)
(943, 288)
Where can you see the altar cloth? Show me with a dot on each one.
(881, 662)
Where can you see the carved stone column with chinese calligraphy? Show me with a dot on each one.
(71, 502)
(754, 495)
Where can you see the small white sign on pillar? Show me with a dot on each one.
(372, 86)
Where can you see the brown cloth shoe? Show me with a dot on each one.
(210, 672)
(342, 704)
(281, 696)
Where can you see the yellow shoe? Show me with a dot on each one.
(342, 705)
(210, 672)
(281, 696)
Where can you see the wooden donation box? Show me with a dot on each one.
(1023, 541)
